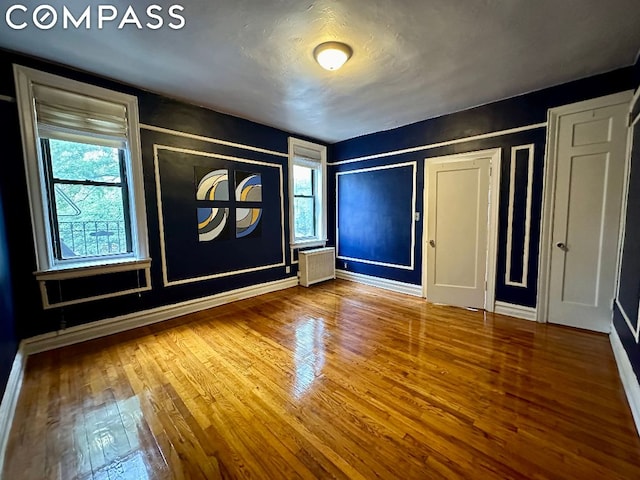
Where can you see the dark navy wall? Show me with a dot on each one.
(369, 202)
(187, 259)
(625, 312)
(523, 111)
(8, 339)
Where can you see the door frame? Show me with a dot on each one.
(495, 155)
(549, 188)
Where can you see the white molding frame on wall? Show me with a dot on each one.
(411, 266)
(623, 216)
(627, 376)
(165, 279)
(385, 283)
(517, 311)
(430, 146)
(548, 189)
(10, 400)
(527, 228)
(202, 138)
(494, 205)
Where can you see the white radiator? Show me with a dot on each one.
(316, 265)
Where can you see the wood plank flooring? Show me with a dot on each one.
(339, 380)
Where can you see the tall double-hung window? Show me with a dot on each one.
(308, 193)
(83, 163)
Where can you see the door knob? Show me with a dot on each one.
(561, 246)
(432, 243)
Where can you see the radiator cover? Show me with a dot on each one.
(316, 265)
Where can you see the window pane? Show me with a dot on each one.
(305, 224)
(82, 161)
(91, 220)
(302, 180)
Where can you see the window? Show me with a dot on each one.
(84, 171)
(308, 193)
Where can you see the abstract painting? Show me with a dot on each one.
(212, 186)
(248, 189)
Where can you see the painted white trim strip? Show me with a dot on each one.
(101, 328)
(411, 265)
(373, 262)
(163, 252)
(627, 376)
(10, 401)
(634, 100)
(623, 219)
(517, 311)
(6, 98)
(443, 144)
(634, 330)
(192, 136)
(527, 227)
(393, 285)
(215, 155)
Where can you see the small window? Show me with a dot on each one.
(89, 199)
(307, 173)
(82, 156)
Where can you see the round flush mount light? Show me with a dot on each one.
(332, 55)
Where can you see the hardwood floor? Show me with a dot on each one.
(336, 381)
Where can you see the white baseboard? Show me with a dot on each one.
(10, 401)
(518, 311)
(101, 328)
(408, 288)
(627, 375)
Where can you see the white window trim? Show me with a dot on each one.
(321, 201)
(38, 203)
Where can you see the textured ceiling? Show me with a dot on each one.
(412, 59)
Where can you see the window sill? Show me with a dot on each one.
(90, 269)
(309, 243)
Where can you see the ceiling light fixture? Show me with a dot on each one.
(332, 55)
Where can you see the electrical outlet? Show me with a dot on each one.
(344, 264)
(287, 269)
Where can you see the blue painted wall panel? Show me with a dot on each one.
(375, 220)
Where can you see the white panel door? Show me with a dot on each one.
(457, 216)
(586, 220)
